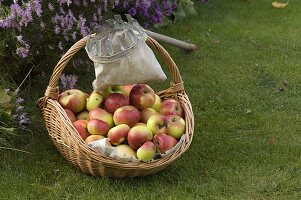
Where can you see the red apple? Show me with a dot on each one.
(70, 115)
(74, 100)
(97, 127)
(156, 124)
(115, 101)
(101, 114)
(138, 135)
(164, 142)
(146, 152)
(81, 127)
(126, 115)
(146, 113)
(175, 126)
(118, 134)
(171, 107)
(142, 96)
(92, 138)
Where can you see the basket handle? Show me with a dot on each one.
(52, 90)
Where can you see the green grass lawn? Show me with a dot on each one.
(244, 85)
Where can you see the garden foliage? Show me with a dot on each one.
(35, 34)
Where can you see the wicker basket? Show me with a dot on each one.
(64, 136)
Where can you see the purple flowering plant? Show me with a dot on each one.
(68, 81)
(38, 32)
(13, 116)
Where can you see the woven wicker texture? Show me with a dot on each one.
(66, 139)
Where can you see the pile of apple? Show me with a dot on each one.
(132, 117)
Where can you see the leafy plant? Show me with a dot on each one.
(13, 118)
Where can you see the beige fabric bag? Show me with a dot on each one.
(121, 56)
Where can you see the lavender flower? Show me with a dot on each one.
(74, 35)
(66, 38)
(23, 120)
(76, 2)
(62, 10)
(167, 8)
(132, 11)
(19, 108)
(26, 16)
(20, 116)
(20, 39)
(50, 47)
(68, 21)
(43, 74)
(61, 2)
(50, 6)
(81, 25)
(19, 101)
(16, 9)
(68, 81)
(22, 52)
(85, 3)
(56, 30)
(42, 25)
(60, 45)
(37, 7)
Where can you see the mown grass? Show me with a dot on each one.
(243, 83)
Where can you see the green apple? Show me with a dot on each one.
(147, 151)
(94, 101)
(156, 106)
(156, 123)
(83, 115)
(175, 126)
(122, 89)
(125, 151)
(92, 138)
(113, 89)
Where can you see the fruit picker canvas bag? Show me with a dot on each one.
(121, 56)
